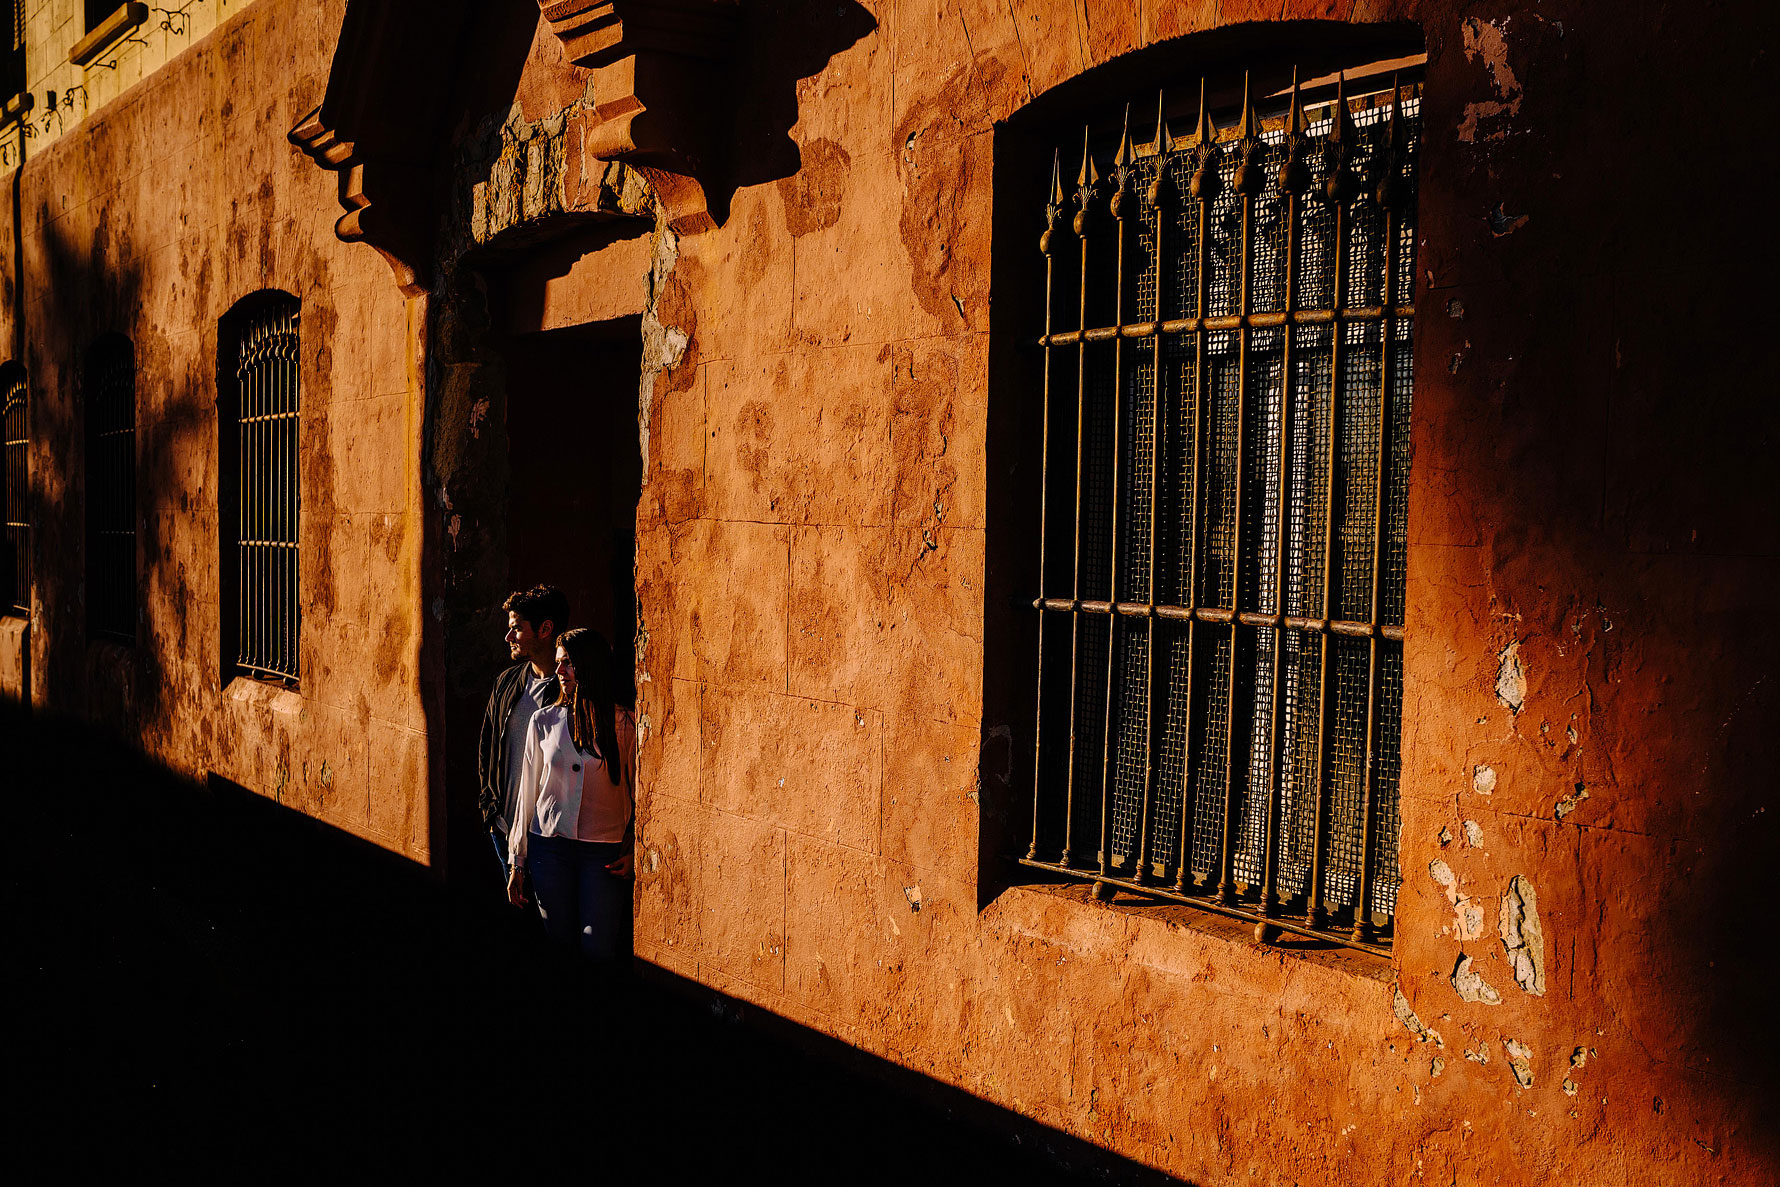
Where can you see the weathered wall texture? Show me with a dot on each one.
(1584, 786)
(167, 207)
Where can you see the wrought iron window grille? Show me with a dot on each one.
(1226, 455)
(266, 608)
(15, 551)
(110, 390)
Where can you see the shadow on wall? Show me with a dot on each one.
(780, 44)
(267, 962)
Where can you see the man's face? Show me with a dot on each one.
(523, 641)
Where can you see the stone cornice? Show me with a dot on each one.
(659, 70)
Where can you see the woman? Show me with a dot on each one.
(572, 824)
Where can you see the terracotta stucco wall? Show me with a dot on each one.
(812, 575)
(152, 218)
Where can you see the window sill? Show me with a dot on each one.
(108, 32)
(264, 694)
(1235, 931)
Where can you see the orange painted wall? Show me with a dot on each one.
(152, 218)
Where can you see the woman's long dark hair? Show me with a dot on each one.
(591, 708)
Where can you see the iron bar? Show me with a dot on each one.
(1248, 182)
(1388, 193)
(1264, 320)
(1292, 179)
(17, 446)
(1086, 180)
(1158, 199)
(1121, 177)
(1046, 242)
(268, 383)
(1203, 188)
(1223, 615)
(1338, 190)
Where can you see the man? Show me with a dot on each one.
(534, 618)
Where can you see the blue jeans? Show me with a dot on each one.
(581, 901)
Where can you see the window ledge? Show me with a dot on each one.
(108, 32)
(17, 107)
(263, 693)
(1235, 931)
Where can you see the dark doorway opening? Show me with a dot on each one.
(577, 473)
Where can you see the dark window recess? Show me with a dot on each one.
(110, 389)
(1227, 384)
(98, 10)
(261, 489)
(15, 550)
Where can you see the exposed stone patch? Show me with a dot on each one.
(913, 895)
(1483, 779)
(1481, 1055)
(1471, 987)
(1520, 1061)
(1522, 938)
(1473, 834)
(1414, 1025)
(1511, 678)
(1571, 801)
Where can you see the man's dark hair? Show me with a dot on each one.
(540, 604)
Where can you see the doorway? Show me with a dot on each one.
(577, 473)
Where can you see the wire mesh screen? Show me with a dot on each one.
(109, 385)
(15, 550)
(266, 373)
(1238, 391)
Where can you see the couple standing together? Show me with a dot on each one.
(557, 763)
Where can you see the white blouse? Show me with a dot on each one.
(566, 793)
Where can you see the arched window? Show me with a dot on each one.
(258, 407)
(15, 549)
(108, 383)
(1225, 395)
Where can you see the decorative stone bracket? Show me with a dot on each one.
(658, 105)
(659, 82)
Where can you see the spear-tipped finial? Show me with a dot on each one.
(1341, 187)
(1164, 146)
(1205, 133)
(1294, 174)
(1249, 179)
(1122, 168)
(1087, 180)
(1053, 208)
(1206, 182)
(1390, 162)
(1249, 125)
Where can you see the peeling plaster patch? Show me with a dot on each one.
(663, 346)
(1473, 834)
(1444, 837)
(1448, 881)
(1511, 678)
(1521, 937)
(1471, 987)
(1569, 1087)
(1579, 1057)
(1520, 1060)
(913, 894)
(1455, 309)
(1483, 779)
(1502, 223)
(1436, 1067)
(1470, 915)
(1481, 1055)
(1487, 41)
(478, 414)
(1570, 802)
(1414, 1025)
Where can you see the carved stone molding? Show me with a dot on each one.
(377, 127)
(659, 81)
